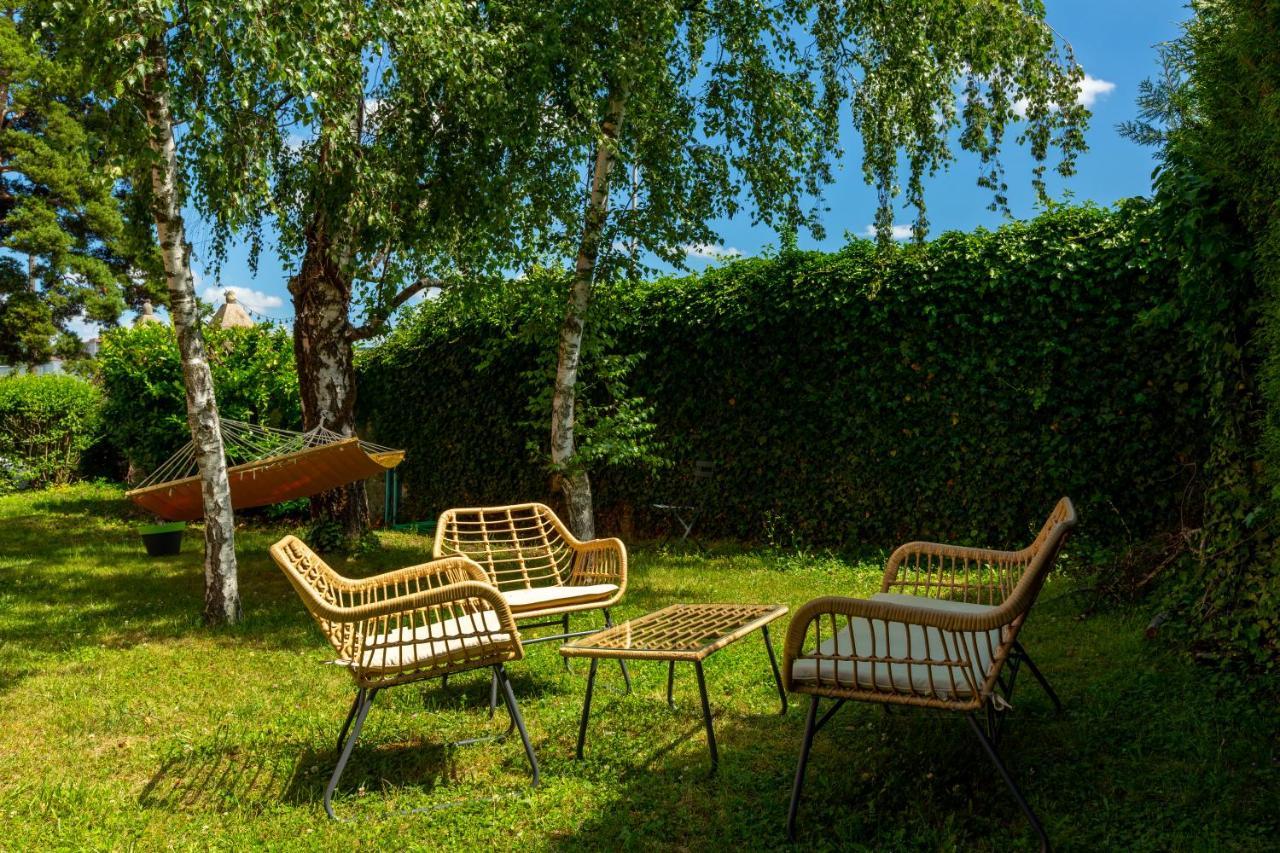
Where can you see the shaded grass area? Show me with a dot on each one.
(127, 723)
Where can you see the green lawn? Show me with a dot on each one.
(126, 724)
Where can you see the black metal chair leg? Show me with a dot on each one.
(1038, 676)
(565, 623)
(994, 724)
(671, 683)
(493, 694)
(773, 662)
(514, 710)
(586, 706)
(626, 676)
(810, 728)
(706, 716)
(990, 749)
(342, 735)
(364, 700)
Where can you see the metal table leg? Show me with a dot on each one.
(671, 683)
(706, 716)
(773, 662)
(622, 664)
(586, 706)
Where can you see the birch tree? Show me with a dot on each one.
(728, 105)
(402, 150)
(146, 59)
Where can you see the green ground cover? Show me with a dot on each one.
(126, 724)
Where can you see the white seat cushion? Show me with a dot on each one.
(420, 647)
(555, 596)
(906, 643)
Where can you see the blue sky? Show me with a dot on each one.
(1114, 41)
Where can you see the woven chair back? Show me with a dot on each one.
(317, 585)
(521, 546)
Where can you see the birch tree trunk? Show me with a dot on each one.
(323, 349)
(221, 587)
(572, 480)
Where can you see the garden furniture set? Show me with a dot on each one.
(942, 633)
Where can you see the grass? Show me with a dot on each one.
(126, 724)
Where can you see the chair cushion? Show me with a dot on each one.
(421, 647)
(540, 597)
(902, 642)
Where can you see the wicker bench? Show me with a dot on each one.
(942, 633)
(542, 571)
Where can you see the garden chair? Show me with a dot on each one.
(420, 622)
(942, 633)
(698, 481)
(542, 571)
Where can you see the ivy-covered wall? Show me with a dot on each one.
(952, 390)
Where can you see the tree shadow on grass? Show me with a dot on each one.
(222, 775)
(1139, 759)
(100, 507)
(866, 774)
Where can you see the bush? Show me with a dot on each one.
(146, 411)
(951, 390)
(47, 422)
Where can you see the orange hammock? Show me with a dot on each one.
(280, 466)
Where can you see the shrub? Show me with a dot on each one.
(146, 411)
(952, 390)
(47, 422)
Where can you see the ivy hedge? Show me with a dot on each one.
(47, 423)
(146, 411)
(953, 389)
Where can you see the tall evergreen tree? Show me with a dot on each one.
(68, 248)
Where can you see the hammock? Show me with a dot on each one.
(268, 466)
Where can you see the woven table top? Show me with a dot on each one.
(685, 632)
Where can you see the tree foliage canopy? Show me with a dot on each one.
(68, 226)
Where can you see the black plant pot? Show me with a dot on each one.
(163, 540)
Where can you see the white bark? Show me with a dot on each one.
(572, 479)
(221, 588)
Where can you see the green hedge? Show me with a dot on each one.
(951, 390)
(47, 422)
(146, 412)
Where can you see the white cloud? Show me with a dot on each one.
(710, 251)
(1088, 91)
(1091, 88)
(253, 299)
(898, 232)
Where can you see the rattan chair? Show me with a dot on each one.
(541, 569)
(417, 623)
(942, 633)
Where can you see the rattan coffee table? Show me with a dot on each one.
(681, 632)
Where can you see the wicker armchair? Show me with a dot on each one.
(420, 622)
(942, 633)
(542, 571)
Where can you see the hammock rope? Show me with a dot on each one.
(245, 442)
(265, 465)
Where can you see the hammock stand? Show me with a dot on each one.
(271, 465)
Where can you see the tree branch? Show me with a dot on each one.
(371, 328)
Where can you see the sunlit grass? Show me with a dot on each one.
(127, 723)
